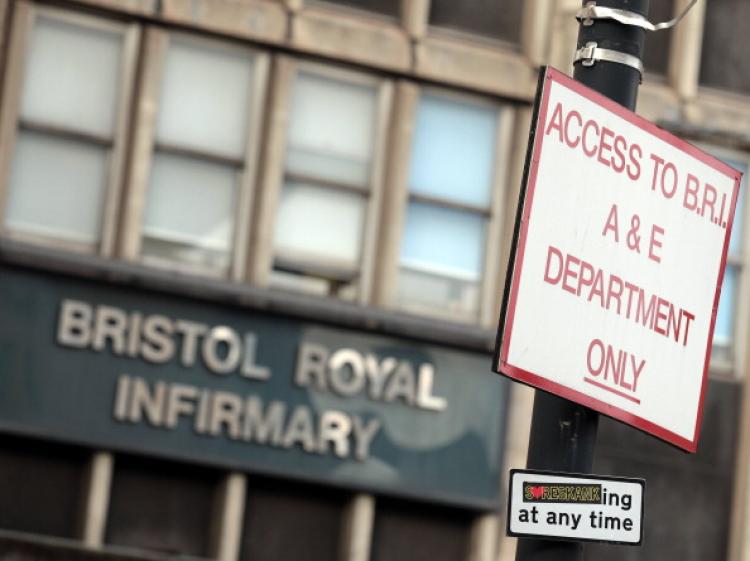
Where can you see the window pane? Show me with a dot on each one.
(72, 76)
(57, 188)
(657, 47)
(427, 533)
(443, 241)
(331, 133)
(161, 506)
(190, 205)
(725, 41)
(316, 164)
(321, 223)
(453, 151)
(423, 292)
(735, 242)
(724, 327)
(387, 7)
(500, 19)
(205, 98)
(285, 522)
(41, 487)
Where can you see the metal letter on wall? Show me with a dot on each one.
(117, 368)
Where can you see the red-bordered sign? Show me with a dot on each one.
(618, 258)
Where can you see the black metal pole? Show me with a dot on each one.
(563, 433)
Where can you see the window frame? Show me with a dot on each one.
(728, 362)
(532, 23)
(286, 69)
(22, 25)
(354, 11)
(700, 87)
(400, 197)
(141, 468)
(145, 145)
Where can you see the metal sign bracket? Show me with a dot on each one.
(591, 12)
(590, 53)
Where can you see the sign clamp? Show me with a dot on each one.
(591, 52)
(591, 12)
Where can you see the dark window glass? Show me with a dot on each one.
(656, 49)
(387, 7)
(427, 533)
(291, 522)
(688, 500)
(41, 487)
(161, 506)
(725, 43)
(499, 19)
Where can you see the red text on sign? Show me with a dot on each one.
(613, 369)
(613, 293)
(596, 141)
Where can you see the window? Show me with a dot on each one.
(725, 40)
(386, 7)
(326, 201)
(202, 162)
(657, 46)
(426, 532)
(451, 183)
(726, 316)
(497, 19)
(68, 129)
(41, 487)
(284, 521)
(161, 506)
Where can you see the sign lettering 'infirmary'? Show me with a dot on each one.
(622, 239)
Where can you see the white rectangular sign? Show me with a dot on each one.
(575, 507)
(618, 261)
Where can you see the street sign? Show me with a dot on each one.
(575, 507)
(618, 259)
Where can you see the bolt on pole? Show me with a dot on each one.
(563, 433)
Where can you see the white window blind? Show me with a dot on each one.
(323, 204)
(66, 126)
(450, 186)
(200, 145)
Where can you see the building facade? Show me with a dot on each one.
(252, 254)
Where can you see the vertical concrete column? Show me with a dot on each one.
(396, 193)
(739, 540)
(155, 43)
(685, 56)
(414, 17)
(96, 503)
(484, 539)
(356, 535)
(15, 44)
(294, 5)
(260, 262)
(562, 33)
(521, 405)
(230, 512)
(535, 26)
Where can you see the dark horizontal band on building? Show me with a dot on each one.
(302, 306)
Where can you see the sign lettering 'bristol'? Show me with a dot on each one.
(618, 263)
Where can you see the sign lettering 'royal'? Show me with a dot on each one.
(616, 270)
(218, 413)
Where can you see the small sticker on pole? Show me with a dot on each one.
(576, 507)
